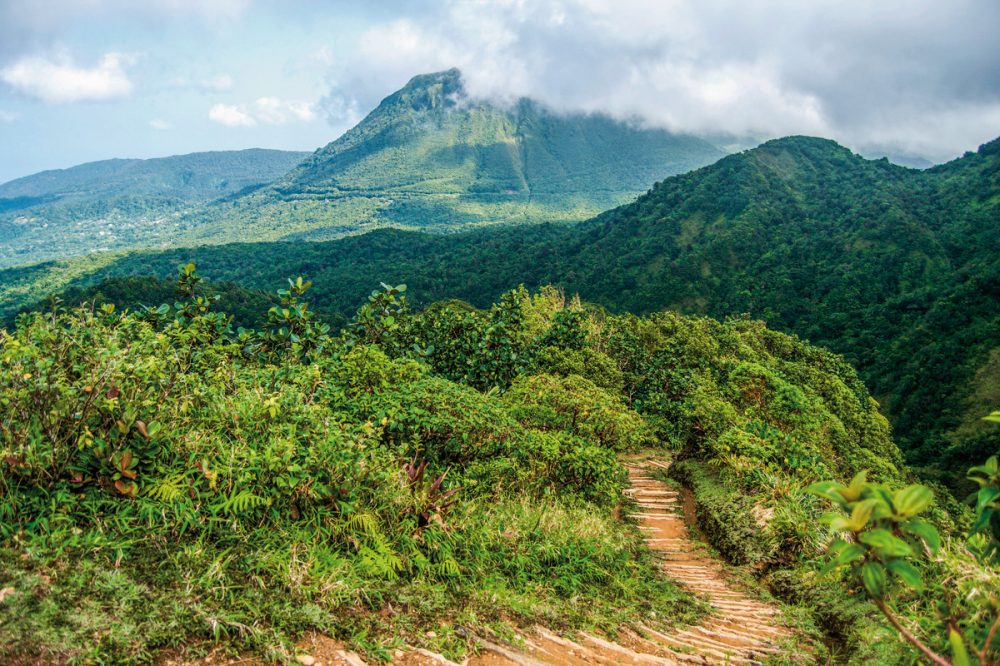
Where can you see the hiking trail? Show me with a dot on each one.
(740, 630)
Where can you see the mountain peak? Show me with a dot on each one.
(430, 91)
(799, 143)
(449, 78)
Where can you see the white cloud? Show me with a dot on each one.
(61, 80)
(28, 24)
(231, 116)
(265, 110)
(217, 83)
(860, 72)
(7, 116)
(278, 112)
(160, 124)
(211, 9)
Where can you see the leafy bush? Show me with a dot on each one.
(888, 547)
(249, 485)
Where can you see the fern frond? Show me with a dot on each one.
(240, 502)
(447, 567)
(363, 522)
(168, 490)
(380, 561)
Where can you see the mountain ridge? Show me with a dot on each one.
(431, 157)
(122, 203)
(34, 184)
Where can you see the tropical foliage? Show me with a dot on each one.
(894, 268)
(441, 467)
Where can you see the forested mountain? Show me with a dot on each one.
(896, 269)
(431, 157)
(119, 203)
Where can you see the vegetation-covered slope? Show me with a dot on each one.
(431, 157)
(248, 486)
(428, 157)
(894, 268)
(122, 203)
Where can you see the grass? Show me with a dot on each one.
(123, 602)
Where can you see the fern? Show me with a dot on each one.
(380, 560)
(240, 502)
(168, 490)
(447, 567)
(364, 523)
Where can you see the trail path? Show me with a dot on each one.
(741, 630)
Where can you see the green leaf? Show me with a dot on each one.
(924, 531)
(874, 577)
(906, 572)
(986, 495)
(912, 500)
(844, 554)
(830, 490)
(837, 522)
(861, 514)
(959, 655)
(982, 520)
(853, 492)
(885, 543)
(989, 469)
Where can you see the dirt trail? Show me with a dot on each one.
(740, 631)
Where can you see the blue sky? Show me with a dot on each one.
(261, 69)
(83, 80)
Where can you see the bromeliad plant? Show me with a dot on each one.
(431, 498)
(883, 544)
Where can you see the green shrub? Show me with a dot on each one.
(577, 406)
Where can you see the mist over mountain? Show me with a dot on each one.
(430, 157)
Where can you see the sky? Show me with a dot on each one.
(84, 80)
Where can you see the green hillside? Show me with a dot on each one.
(141, 447)
(894, 268)
(430, 157)
(117, 204)
(428, 477)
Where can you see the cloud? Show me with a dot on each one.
(231, 116)
(217, 83)
(278, 112)
(28, 24)
(863, 73)
(265, 110)
(212, 84)
(7, 116)
(214, 10)
(160, 124)
(60, 80)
